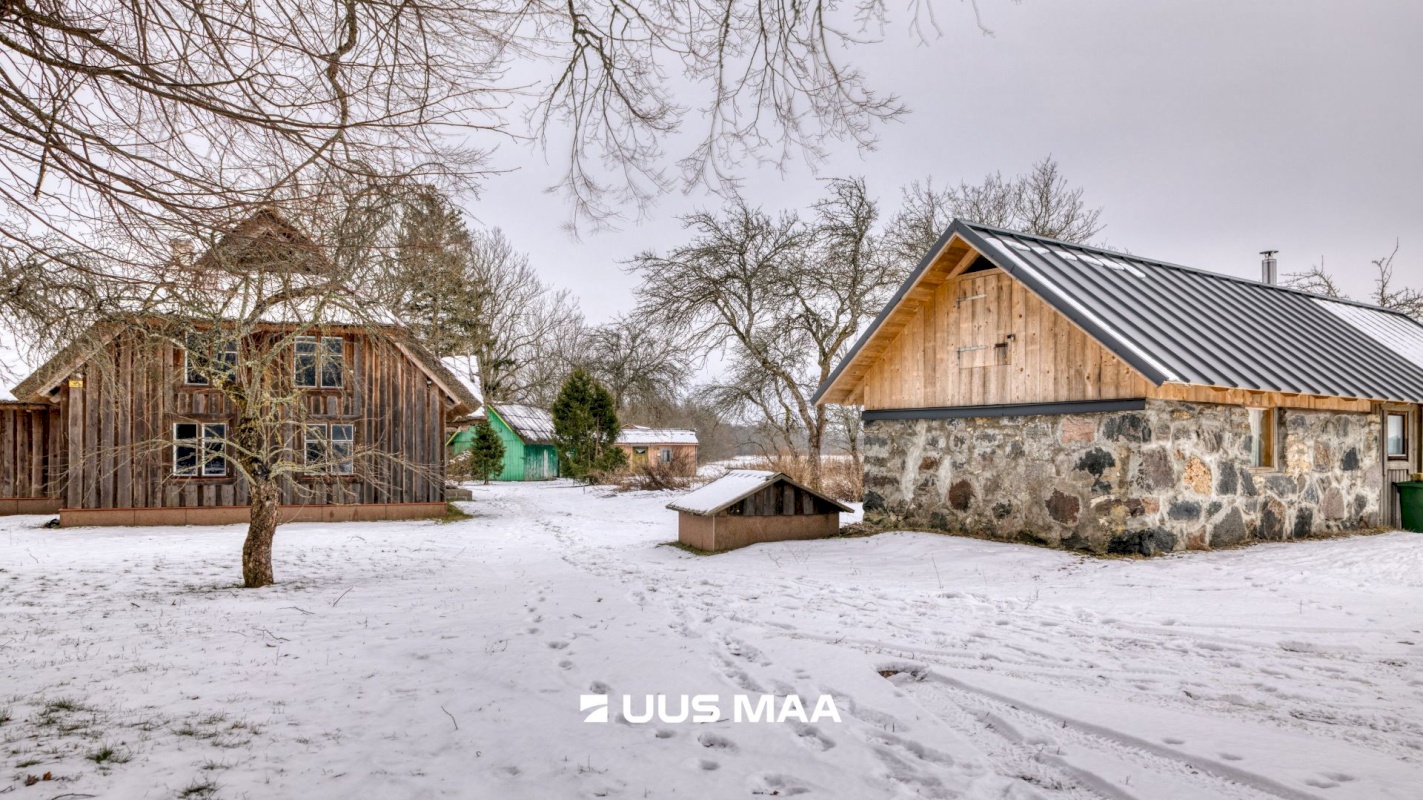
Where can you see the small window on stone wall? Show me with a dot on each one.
(1262, 437)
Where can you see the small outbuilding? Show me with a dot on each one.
(747, 506)
(675, 448)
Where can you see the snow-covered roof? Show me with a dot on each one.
(733, 487)
(1399, 334)
(466, 369)
(638, 434)
(533, 425)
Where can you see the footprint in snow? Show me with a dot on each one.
(665, 733)
(557, 645)
(598, 687)
(1230, 757)
(708, 765)
(811, 737)
(533, 631)
(716, 742)
(565, 664)
(1173, 740)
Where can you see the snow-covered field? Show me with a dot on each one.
(447, 660)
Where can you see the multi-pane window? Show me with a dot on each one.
(319, 362)
(205, 358)
(1396, 435)
(666, 455)
(197, 449)
(330, 448)
(1262, 437)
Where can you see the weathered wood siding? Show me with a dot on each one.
(985, 339)
(684, 456)
(31, 452)
(781, 499)
(120, 409)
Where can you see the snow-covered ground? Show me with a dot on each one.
(447, 660)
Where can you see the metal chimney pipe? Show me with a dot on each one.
(1269, 273)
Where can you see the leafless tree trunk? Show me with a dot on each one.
(783, 298)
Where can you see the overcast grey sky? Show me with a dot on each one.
(1208, 130)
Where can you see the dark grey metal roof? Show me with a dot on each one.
(1178, 324)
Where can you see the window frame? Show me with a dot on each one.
(206, 445)
(229, 348)
(324, 464)
(1264, 443)
(665, 455)
(322, 354)
(1402, 416)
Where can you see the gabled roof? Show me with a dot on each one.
(465, 370)
(638, 435)
(735, 486)
(533, 425)
(1175, 324)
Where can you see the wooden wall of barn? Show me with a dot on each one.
(31, 454)
(120, 410)
(985, 339)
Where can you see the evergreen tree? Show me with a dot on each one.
(585, 427)
(440, 293)
(486, 454)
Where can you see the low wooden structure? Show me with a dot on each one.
(749, 506)
(674, 447)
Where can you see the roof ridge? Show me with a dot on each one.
(1156, 262)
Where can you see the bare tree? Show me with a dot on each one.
(1386, 292)
(780, 297)
(1388, 295)
(643, 365)
(530, 332)
(1041, 202)
(1316, 279)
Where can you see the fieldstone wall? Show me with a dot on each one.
(1171, 477)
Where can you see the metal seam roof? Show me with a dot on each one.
(1179, 324)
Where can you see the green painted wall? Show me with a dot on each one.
(523, 462)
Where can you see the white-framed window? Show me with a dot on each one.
(666, 455)
(198, 448)
(1395, 440)
(1263, 425)
(640, 451)
(330, 448)
(204, 358)
(319, 362)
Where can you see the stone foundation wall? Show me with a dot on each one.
(1170, 477)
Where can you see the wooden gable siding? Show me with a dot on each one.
(982, 338)
(781, 499)
(31, 452)
(119, 412)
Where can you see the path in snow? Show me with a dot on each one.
(446, 660)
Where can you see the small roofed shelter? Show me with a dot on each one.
(527, 434)
(747, 506)
(674, 447)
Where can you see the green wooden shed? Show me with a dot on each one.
(527, 434)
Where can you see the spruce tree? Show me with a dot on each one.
(586, 429)
(486, 453)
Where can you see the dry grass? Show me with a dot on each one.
(840, 476)
(650, 474)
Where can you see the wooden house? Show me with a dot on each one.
(747, 506)
(117, 428)
(1021, 387)
(527, 434)
(674, 448)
